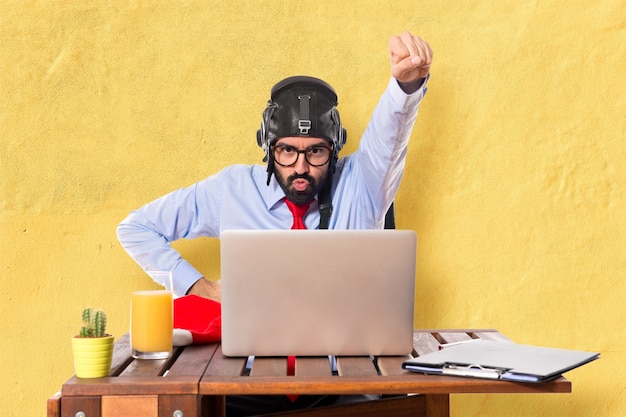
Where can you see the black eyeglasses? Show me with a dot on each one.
(316, 156)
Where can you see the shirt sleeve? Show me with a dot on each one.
(147, 232)
(380, 159)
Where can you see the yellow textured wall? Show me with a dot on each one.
(515, 175)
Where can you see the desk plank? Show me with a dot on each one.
(121, 355)
(313, 366)
(145, 367)
(400, 384)
(221, 365)
(130, 385)
(359, 366)
(193, 360)
(453, 337)
(491, 335)
(392, 365)
(424, 342)
(268, 367)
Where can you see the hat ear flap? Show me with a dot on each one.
(263, 138)
(262, 135)
(260, 138)
(342, 135)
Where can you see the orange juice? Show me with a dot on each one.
(151, 316)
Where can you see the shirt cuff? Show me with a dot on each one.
(402, 98)
(183, 277)
(413, 86)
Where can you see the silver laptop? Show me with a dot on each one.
(317, 292)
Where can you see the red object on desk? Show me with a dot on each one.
(199, 316)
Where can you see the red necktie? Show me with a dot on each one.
(298, 211)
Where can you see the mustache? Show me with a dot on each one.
(303, 176)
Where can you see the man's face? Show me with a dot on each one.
(301, 181)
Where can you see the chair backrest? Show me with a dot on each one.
(390, 218)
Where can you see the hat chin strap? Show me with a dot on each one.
(325, 204)
(270, 166)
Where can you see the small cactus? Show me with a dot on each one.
(94, 323)
(101, 323)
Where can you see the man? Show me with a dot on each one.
(301, 135)
(301, 155)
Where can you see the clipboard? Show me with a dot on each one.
(500, 360)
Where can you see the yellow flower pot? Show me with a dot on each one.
(92, 356)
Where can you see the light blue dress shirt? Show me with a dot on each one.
(364, 186)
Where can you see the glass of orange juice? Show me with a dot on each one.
(151, 324)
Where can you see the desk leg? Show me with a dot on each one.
(438, 405)
(213, 405)
(54, 405)
(178, 405)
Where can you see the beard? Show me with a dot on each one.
(299, 197)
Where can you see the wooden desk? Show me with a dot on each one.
(195, 379)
